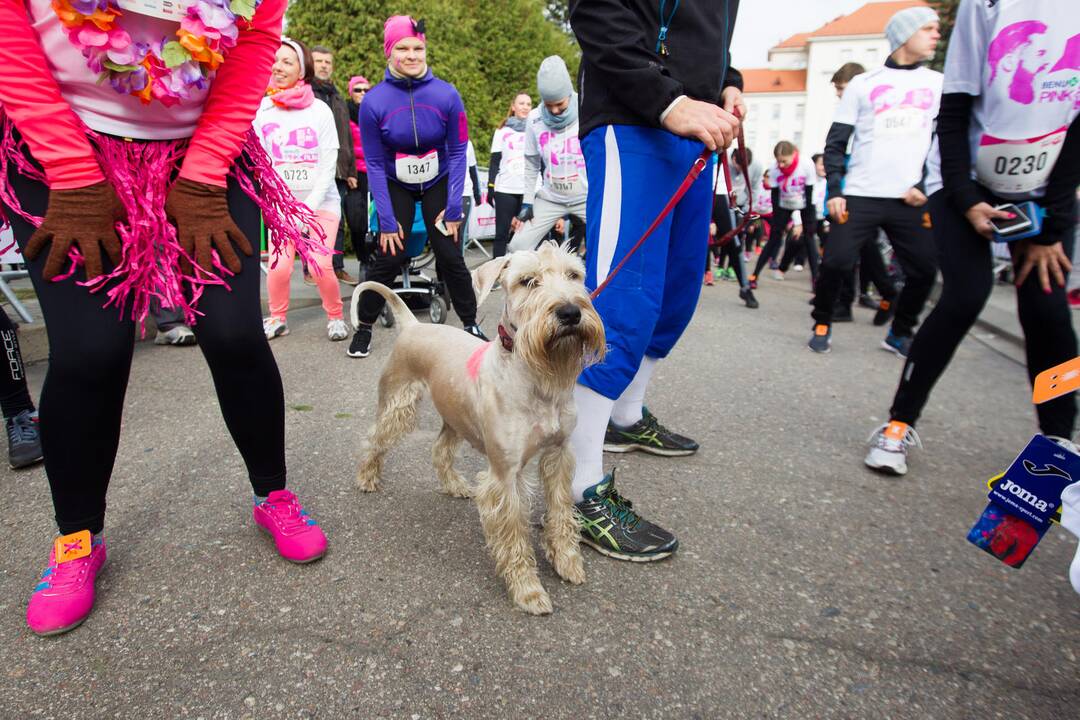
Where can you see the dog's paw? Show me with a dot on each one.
(457, 487)
(367, 480)
(570, 567)
(535, 602)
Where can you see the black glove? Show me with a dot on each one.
(526, 213)
(490, 198)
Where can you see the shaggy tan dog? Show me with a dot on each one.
(511, 399)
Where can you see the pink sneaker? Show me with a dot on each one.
(65, 595)
(298, 537)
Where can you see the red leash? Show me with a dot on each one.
(740, 159)
(691, 177)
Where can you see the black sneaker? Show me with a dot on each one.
(24, 440)
(747, 296)
(842, 313)
(610, 526)
(899, 344)
(360, 347)
(884, 313)
(821, 340)
(649, 435)
(868, 302)
(475, 331)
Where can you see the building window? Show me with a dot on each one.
(776, 111)
(798, 138)
(800, 113)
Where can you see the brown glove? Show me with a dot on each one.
(203, 223)
(84, 216)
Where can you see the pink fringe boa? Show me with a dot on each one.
(142, 174)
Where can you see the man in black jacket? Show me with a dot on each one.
(346, 179)
(655, 91)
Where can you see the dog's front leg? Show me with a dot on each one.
(503, 514)
(561, 530)
(442, 456)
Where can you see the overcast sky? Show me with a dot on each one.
(764, 23)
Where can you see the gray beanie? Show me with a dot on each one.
(906, 23)
(553, 80)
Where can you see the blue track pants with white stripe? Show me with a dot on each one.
(633, 172)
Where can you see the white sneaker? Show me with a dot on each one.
(797, 268)
(890, 443)
(179, 335)
(336, 330)
(274, 327)
(777, 275)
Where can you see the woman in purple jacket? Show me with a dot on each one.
(414, 132)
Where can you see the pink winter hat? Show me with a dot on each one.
(357, 80)
(396, 29)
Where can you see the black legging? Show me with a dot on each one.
(507, 207)
(90, 358)
(967, 279)
(356, 216)
(14, 395)
(451, 262)
(777, 227)
(721, 215)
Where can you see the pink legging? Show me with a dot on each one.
(277, 280)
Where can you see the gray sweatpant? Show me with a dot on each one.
(545, 215)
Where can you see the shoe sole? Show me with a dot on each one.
(294, 562)
(629, 558)
(69, 628)
(26, 464)
(183, 342)
(826, 351)
(647, 449)
(886, 469)
(352, 354)
(894, 351)
(281, 333)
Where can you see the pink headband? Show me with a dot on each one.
(357, 80)
(397, 28)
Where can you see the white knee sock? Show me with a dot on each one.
(1070, 520)
(587, 440)
(627, 410)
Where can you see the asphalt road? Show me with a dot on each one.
(805, 586)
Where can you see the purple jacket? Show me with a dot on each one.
(413, 117)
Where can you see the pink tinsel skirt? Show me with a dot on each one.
(142, 172)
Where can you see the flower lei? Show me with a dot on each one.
(167, 70)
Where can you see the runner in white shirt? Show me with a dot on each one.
(791, 180)
(1008, 133)
(506, 170)
(890, 112)
(551, 148)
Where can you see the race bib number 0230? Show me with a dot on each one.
(1018, 166)
(417, 169)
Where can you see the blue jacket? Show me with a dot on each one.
(413, 117)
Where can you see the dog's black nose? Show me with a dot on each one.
(568, 314)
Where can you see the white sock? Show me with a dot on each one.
(1070, 520)
(627, 410)
(587, 440)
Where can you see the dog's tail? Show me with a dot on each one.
(401, 311)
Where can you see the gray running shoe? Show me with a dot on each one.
(24, 440)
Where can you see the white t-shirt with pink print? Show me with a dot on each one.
(303, 145)
(793, 187)
(511, 143)
(1021, 61)
(564, 179)
(893, 112)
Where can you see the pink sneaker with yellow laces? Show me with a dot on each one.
(297, 536)
(64, 596)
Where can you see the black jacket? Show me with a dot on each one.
(346, 158)
(624, 80)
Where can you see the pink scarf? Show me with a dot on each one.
(297, 97)
(788, 170)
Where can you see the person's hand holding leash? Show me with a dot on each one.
(732, 98)
(702, 121)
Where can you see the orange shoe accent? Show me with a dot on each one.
(896, 430)
(1057, 381)
(926, 223)
(885, 305)
(73, 546)
(821, 330)
(753, 278)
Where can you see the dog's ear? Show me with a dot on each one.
(485, 277)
